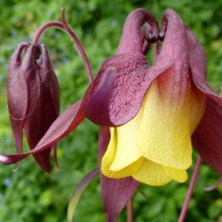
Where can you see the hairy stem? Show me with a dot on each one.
(190, 190)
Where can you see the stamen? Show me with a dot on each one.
(190, 190)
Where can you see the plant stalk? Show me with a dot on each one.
(129, 210)
(65, 27)
(190, 190)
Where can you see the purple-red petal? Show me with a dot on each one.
(46, 109)
(207, 138)
(132, 40)
(118, 91)
(17, 85)
(61, 127)
(35, 82)
(126, 85)
(98, 104)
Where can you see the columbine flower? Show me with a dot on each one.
(155, 113)
(33, 97)
(153, 110)
(151, 115)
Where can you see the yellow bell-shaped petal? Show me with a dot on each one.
(152, 173)
(109, 156)
(155, 146)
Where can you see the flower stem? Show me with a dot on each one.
(65, 27)
(190, 190)
(129, 209)
(79, 46)
(42, 28)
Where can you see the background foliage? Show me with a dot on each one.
(29, 195)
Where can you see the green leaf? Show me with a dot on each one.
(78, 193)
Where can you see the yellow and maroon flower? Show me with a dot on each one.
(152, 111)
(151, 115)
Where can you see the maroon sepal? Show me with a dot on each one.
(124, 79)
(115, 192)
(17, 94)
(207, 138)
(60, 128)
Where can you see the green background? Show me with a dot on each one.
(30, 195)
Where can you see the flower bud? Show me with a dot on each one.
(33, 97)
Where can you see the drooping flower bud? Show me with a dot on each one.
(33, 97)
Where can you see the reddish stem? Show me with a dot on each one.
(65, 27)
(42, 28)
(79, 46)
(190, 190)
(129, 209)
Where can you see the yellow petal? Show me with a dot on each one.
(126, 152)
(152, 174)
(162, 128)
(109, 157)
(178, 175)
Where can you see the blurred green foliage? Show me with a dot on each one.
(29, 195)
